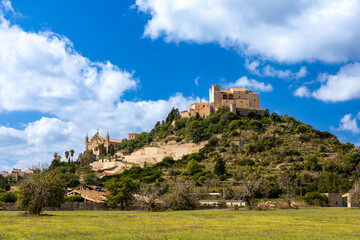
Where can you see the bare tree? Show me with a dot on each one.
(355, 192)
(287, 183)
(183, 197)
(250, 186)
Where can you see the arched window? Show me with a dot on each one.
(231, 96)
(224, 96)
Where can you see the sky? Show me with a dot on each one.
(68, 68)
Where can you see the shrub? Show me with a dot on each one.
(74, 199)
(213, 141)
(221, 204)
(246, 162)
(316, 199)
(8, 197)
(4, 183)
(352, 158)
(168, 160)
(73, 183)
(193, 167)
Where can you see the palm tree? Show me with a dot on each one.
(72, 154)
(67, 157)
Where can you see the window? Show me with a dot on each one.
(231, 96)
(224, 96)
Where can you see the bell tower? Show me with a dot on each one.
(86, 142)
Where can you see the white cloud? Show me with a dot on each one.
(343, 86)
(269, 71)
(281, 30)
(254, 85)
(302, 91)
(42, 72)
(348, 123)
(196, 81)
(6, 6)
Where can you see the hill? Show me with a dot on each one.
(280, 153)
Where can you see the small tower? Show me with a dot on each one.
(86, 142)
(215, 96)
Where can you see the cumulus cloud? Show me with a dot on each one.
(268, 71)
(349, 123)
(252, 84)
(343, 86)
(302, 91)
(281, 30)
(42, 72)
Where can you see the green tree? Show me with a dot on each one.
(121, 192)
(72, 154)
(46, 189)
(4, 184)
(220, 167)
(193, 167)
(67, 157)
(195, 131)
(174, 113)
(111, 150)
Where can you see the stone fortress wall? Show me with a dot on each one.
(240, 100)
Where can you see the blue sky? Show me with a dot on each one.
(70, 67)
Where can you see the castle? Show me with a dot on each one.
(93, 144)
(240, 100)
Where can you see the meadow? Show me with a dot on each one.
(305, 223)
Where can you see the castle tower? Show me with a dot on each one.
(86, 142)
(215, 96)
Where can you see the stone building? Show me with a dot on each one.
(93, 144)
(132, 136)
(335, 199)
(240, 100)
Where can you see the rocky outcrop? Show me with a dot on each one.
(146, 155)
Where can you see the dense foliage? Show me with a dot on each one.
(44, 190)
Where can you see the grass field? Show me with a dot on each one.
(307, 223)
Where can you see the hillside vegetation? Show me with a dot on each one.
(280, 155)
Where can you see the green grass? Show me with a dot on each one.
(307, 223)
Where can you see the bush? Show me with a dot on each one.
(213, 141)
(193, 167)
(4, 183)
(221, 204)
(73, 183)
(8, 197)
(74, 199)
(316, 199)
(352, 158)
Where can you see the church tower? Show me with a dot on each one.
(87, 142)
